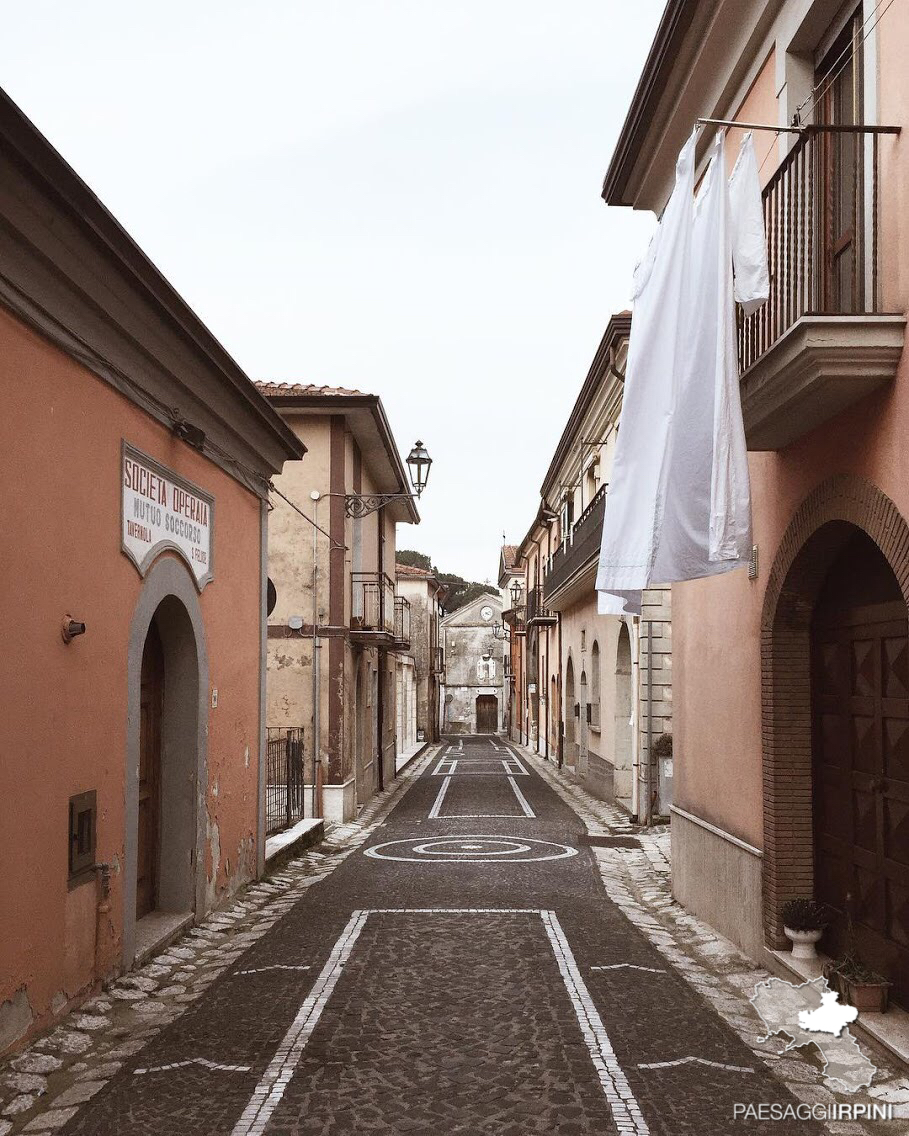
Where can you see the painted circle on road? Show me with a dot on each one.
(459, 846)
(473, 849)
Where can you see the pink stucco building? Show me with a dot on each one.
(792, 681)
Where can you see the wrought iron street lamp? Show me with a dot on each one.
(515, 590)
(499, 631)
(418, 463)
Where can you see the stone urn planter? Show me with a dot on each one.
(804, 943)
(803, 924)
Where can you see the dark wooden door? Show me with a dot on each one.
(861, 762)
(841, 172)
(151, 707)
(487, 713)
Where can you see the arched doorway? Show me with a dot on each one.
(149, 821)
(570, 714)
(860, 757)
(166, 781)
(622, 748)
(359, 739)
(582, 726)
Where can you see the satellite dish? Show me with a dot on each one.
(295, 622)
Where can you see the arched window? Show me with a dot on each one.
(595, 685)
(570, 718)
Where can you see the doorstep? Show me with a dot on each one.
(158, 930)
(281, 846)
(889, 1030)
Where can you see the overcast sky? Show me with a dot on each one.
(401, 196)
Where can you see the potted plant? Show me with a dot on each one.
(804, 921)
(858, 985)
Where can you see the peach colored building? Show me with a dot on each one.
(792, 682)
(134, 461)
(362, 625)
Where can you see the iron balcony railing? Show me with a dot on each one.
(402, 620)
(536, 612)
(372, 605)
(582, 545)
(286, 777)
(821, 223)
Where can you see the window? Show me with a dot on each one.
(583, 640)
(82, 816)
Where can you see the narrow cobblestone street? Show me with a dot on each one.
(459, 969)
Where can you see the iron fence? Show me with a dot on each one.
(821, 221)
(285, 782)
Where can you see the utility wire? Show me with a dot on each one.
(297, 509)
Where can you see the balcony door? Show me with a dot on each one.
(840, 161)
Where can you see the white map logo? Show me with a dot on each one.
(810, 1014)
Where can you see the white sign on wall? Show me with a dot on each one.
(159, 510)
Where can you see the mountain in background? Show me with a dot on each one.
(459, 590)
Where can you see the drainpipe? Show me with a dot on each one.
(316, 665)
(648, 768)
(381, 662)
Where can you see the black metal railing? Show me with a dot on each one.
(402, 620)
(821, 223)
(372, 602)
(582, 545)
(536, 611)
(285, 777)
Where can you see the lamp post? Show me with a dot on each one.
(515, 590)
(418, 463)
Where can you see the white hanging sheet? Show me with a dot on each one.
(679, 504)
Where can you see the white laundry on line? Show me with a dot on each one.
(679, 505)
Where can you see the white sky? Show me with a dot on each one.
(401, 196)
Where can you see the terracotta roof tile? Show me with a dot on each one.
(412, 570)
(270, 389)
(509, 554)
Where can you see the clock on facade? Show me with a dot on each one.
(486, 613)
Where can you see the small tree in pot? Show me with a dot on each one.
(804, 921)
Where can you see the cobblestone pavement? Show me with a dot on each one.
(458, 969)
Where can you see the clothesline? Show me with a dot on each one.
(809, 129)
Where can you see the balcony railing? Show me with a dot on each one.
(821, 221)
(581, 547)
(402, 621)
(536, 612)
(372, 603)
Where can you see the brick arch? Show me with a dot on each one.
(821, 526)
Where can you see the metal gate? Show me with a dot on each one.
(285, 777)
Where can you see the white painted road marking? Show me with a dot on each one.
(622, 1103)
(192, 1061)
(437, 807)
(270, 1089)
(420, 852)
(274, 966)
(522, 800)
(625, 1109)
(696, 1061)
(629, 966)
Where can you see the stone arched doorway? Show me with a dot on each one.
(166, 781)
(834, 661)
(860, 757)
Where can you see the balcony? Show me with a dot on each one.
(537, 614)
(372, 608)
(402, 623)
(572, 571)
(822, 341)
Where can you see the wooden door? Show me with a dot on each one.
(487, 713)
(151, 707)
(841, 172)
(861, 762)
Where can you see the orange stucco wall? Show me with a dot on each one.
(716, 623)
(63, 725)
